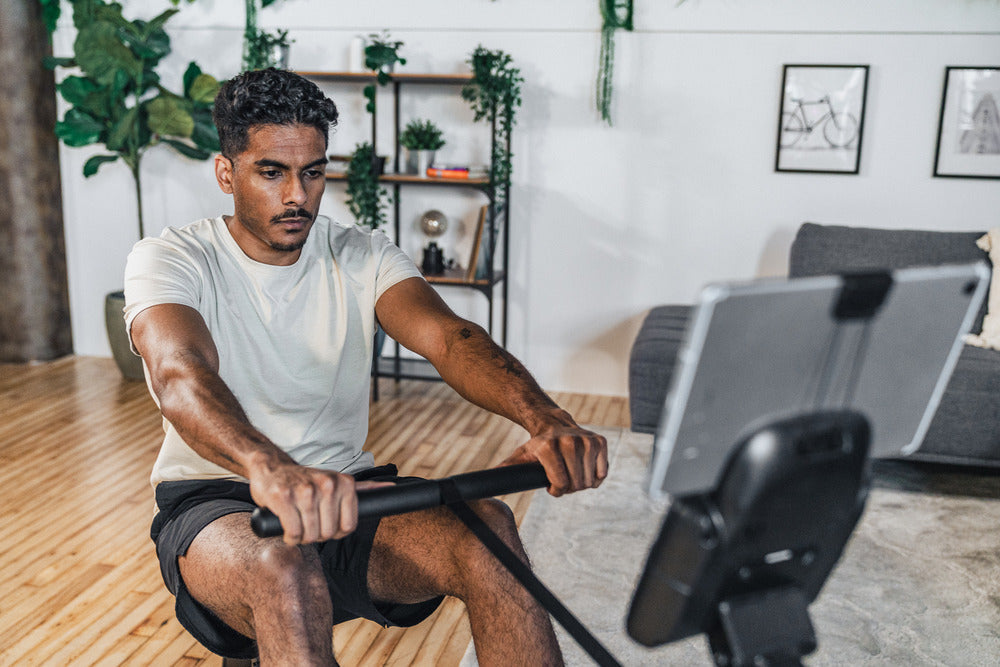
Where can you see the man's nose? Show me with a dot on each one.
(295, 192)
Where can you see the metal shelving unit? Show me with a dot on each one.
(497, 227)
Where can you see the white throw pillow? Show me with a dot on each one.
(990, 335)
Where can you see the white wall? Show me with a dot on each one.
(606, 222)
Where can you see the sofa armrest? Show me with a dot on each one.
(651, 364)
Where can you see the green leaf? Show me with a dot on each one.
(123, 131)
(190, 74)
(205, 134)
(187, 150)
(77, 128)
(78, 90)
(168, 116)
(155, 48)
(204, 89)
(108, 12)
(51, 62)
(93, 164)
(158, 22)
(266, 3)
(150, 80)
(101, 54)
(50, 14)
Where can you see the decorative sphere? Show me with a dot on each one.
(433, 223)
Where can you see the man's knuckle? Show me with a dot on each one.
(327, 485)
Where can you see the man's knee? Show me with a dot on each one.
(498, 516)
(280, 567)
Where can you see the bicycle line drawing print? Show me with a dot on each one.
(821, 118)
(968, 142)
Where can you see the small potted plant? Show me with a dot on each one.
(421, 138)
(381, 56)
(265, 49)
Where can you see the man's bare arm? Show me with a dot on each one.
(183, 364)
(489, 376)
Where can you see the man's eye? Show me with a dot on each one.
(270, 173)
(314, 173)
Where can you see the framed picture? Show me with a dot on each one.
(476, 268)
(822, 118)
(968, 141)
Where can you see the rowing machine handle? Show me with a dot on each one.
(409, 496)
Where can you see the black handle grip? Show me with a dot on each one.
(424, 494)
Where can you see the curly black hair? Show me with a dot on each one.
(268, 97)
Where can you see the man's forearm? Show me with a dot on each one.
(492, 378)
(208, 417)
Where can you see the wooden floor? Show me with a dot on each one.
(79, 582)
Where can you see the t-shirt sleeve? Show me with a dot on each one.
(394, 266)
(158, 272)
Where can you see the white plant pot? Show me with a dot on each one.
(420, 162)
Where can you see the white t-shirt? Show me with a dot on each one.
(294, 342)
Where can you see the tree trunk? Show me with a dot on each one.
(34, 303)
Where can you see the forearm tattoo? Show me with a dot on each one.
(510, 364)
(507, 361)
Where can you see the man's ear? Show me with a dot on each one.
(224, 173)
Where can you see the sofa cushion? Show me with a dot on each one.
(824, 249)
(651, 364)
(965, 428)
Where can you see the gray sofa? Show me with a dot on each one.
(966, 427)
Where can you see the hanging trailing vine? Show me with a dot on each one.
(495, 93)
(617, 14)
(366, 198)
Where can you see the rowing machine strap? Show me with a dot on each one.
(454, 501)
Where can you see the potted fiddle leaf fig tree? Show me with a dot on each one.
(116, 100)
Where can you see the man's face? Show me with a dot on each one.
(277, 184)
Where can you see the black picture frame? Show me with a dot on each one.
(968, 136)
(821, 118)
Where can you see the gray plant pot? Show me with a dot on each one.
(418, 161)
(128, 363)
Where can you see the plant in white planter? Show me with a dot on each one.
(421, 138)
(116, 100)
(381, 56)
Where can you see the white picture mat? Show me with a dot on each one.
(845, 86)
(970, 128)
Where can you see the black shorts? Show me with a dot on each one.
(185, 508)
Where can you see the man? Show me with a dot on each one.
(256, 332)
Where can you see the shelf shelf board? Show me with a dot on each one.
(414, 179)
(368, 77)
(459, 277)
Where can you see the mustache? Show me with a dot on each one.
(292, 213)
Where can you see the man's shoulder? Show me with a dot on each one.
(203, 231)
(193, 238)
(345, 239)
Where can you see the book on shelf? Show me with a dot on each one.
(457, 171)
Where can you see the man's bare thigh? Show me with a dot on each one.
(419, 555)
(222, 569)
